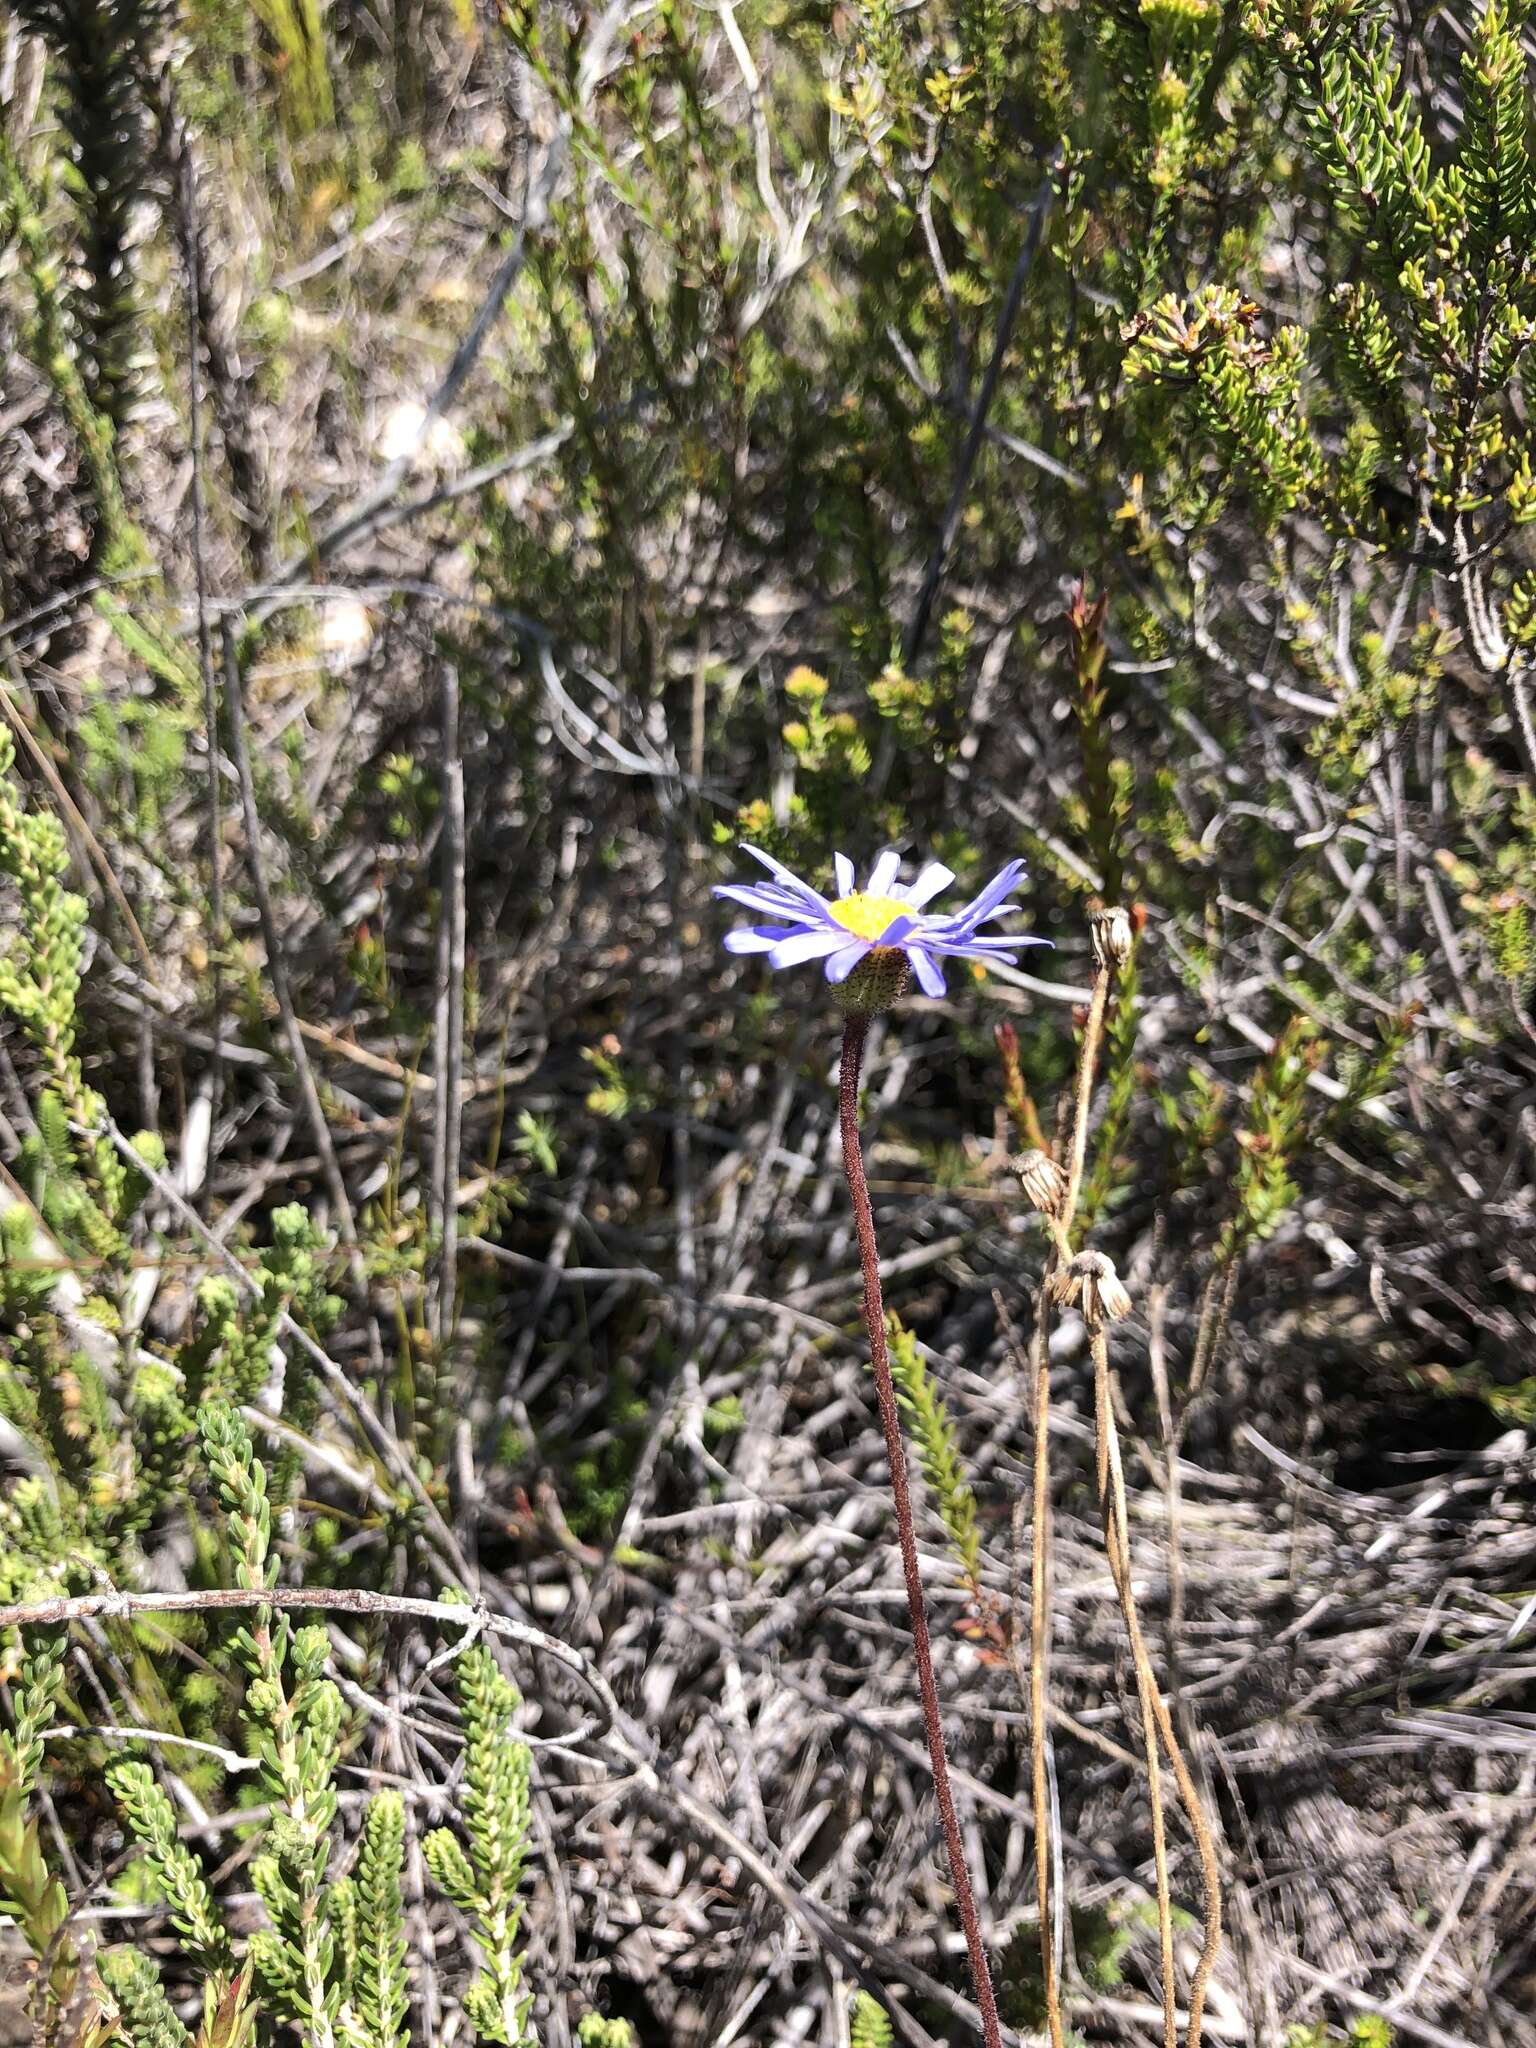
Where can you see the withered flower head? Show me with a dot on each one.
(1111, 934)
(1043, 1182)
(1093, 1276)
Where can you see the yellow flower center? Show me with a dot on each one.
(867, 917)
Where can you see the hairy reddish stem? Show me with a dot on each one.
(854, 1033)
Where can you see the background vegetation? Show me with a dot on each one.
(463, 467)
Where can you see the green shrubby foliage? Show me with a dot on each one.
(375, 2009)
(118, 1447)
(331, 1959)
(1101, 1940)
(30, 1891)
(869, 2025)
(103, 51)
(84, 1188)
(145, 2014)
(594, 2032)
(483, 1880)
(938, 1451)
(1369, 2031)
(1238, 588)
(118, 1452)
(1426, 346)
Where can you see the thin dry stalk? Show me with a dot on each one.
(1099, 1290)
(1172, 1428)
(1039, 1645)
(1111, 1481)
(277, 964)
(190, 257)
(1059, 1223)
(1088, 1059)
(1111, 1502)
(448, 1104)
(1215, 1311)
(1038, 209)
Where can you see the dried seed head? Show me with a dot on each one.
(1104, 1298)
(1064, 1287)
(1043, 1182)
(1113, 1303)
(1112, 936)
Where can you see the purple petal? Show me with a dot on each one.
(898, 930)
(930, 976)
(992, 898)
(842, 867)
(1001, 886)
(933, 878)
(774, 867)
(975, 948)
(801, 946)
(979, 949)
(755, 938)
(969, 949)
(883, 873)
(763, 896)
(843, 962)
(785, 877)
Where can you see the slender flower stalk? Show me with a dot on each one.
(869, 940)
(855, 1030)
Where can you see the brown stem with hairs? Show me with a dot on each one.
(855, 1031)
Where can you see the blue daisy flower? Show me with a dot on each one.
(886, 916)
